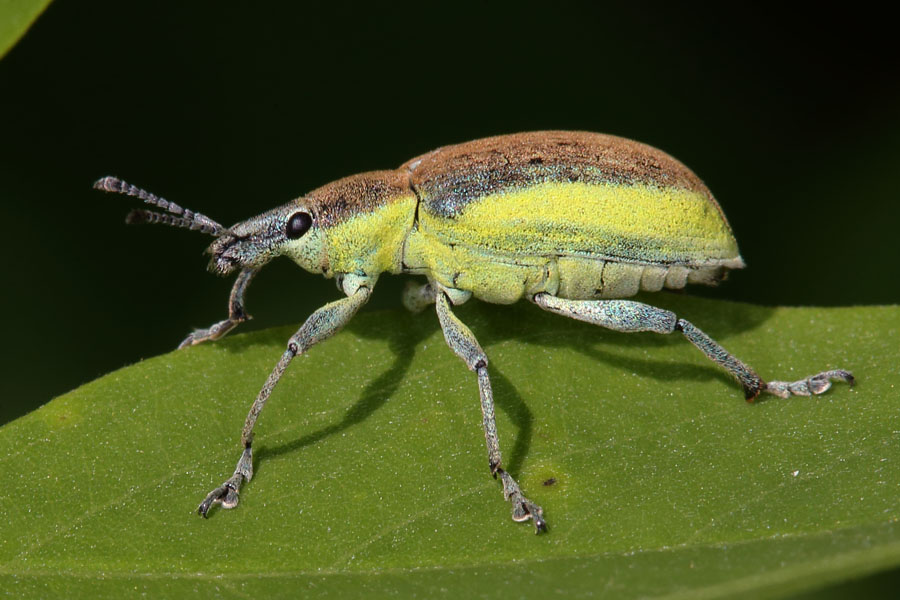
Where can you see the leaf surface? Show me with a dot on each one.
(656, 478)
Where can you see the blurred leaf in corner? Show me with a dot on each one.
(16, 16)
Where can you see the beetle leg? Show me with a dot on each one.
(320, 325)
(416, 296)
(463, 343)
(236, 313)
(811, 386)
(630, 316)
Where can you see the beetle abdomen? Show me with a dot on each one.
(571, 194)
(586, 278)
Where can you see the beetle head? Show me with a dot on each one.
(288, 229)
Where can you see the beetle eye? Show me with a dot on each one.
(298, 224)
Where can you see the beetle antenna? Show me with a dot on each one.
(184, 218)
(139, 216)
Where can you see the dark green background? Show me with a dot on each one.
(792, 120)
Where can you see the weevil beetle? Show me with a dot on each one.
(572, 221)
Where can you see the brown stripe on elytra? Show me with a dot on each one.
(451, 177)
(358, 194)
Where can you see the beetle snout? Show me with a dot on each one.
(234, 250)
(226, 254)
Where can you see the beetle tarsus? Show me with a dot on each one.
(811, 386)
(236, 314)
(226, 494)
(214, 332)
(522, 508)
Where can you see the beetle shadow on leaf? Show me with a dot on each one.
(493, 324)
(402, 343)
(508, 400)
(421, 326)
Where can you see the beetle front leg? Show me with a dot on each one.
(236, 313)
(320, 325)
(463, 343)
(631, 316)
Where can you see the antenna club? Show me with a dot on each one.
(109, 184)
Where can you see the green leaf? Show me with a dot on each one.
(371, 474)
(16, 16)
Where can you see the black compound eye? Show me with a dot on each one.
(298, 224)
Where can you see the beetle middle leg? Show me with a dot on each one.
(463, 343)
(417, 296)
(631, 316)
(236, 313)
(320, 325)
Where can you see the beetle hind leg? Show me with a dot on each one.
(463, 343)
(630, 316)
(751, 382)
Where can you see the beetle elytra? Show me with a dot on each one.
(572, 221)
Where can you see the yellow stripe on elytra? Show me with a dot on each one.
(632, 222)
